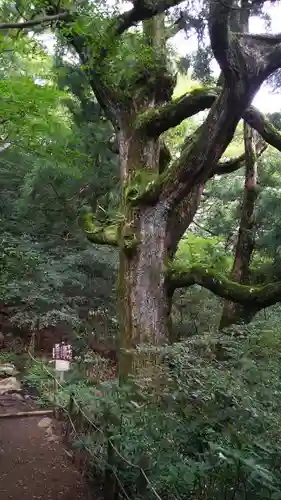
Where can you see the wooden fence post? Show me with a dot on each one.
(79, 420)
(55, 388)
(70, 413)
(141, 483)
(110, 487)
(71, 404)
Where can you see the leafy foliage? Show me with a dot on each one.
(50, 172)
(210, 431)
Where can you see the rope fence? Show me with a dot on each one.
(77, 422)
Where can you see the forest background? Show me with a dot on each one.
(213, 429)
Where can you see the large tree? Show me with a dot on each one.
(127, 63)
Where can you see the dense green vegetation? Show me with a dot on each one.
(51, 173)
(212, 431)
(91, 149)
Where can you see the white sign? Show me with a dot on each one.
(61, 365)
(62, 351)
(62, 355)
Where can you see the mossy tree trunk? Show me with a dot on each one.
(142, 287)
(159, 202)
(129, 74)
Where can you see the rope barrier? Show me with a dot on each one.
(98, 429)
(98, 459)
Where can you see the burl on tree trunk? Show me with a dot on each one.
(157, 201)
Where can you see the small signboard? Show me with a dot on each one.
(62, 355)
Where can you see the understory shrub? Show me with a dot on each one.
(211, 432)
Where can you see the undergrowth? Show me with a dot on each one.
(211, 431)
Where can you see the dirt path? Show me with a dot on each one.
(34, 465)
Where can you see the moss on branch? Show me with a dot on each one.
(172, 181)
(120, 235)
(142, 182)
(257, 297)
(98, 233)
(146, 186)
(263, 126)
(154, 122)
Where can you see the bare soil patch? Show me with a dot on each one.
(34, 465)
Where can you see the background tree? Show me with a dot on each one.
(50, 275)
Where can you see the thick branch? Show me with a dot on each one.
(259, 122)
(199, 158)
(229, 166)
(142, 10)
(100, 234)
(252, 57)
(62, 16)
(155, 122)
(201, 153)
(233, 312)
(261, 54)
(251, 296)
(246, 236)
(218, 21)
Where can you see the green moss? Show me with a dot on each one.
(110, 233)
(171, 109)
(128, 240)
(146, 116)
(147, 186)
(249, 295)
(129, 245)
(141, 183)
(98, 233)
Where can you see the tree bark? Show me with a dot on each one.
(142, 289)
(143, 295)
(235, 313)
(143, 292)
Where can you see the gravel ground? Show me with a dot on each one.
(34, 465)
